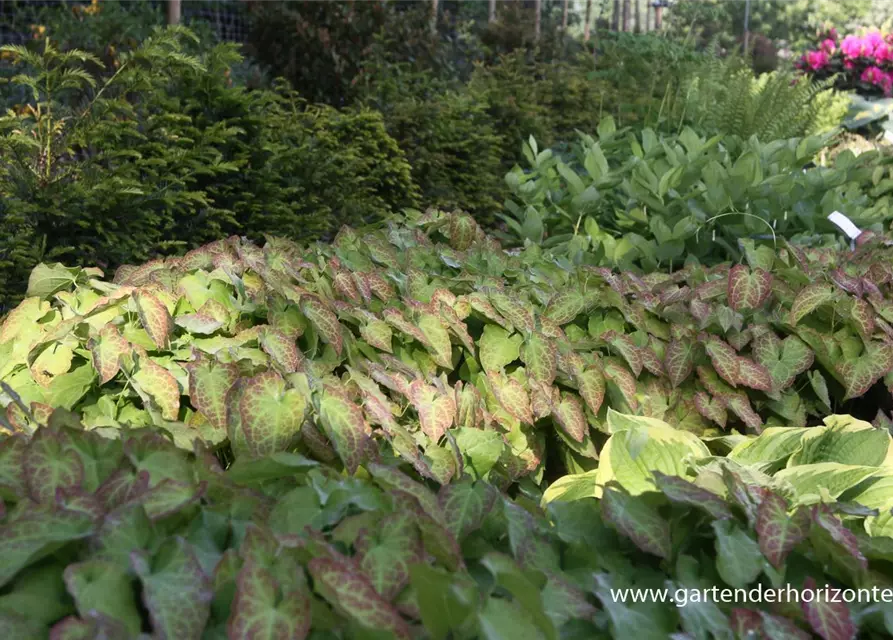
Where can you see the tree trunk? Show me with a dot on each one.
(492, 16)
(564, 16)
(586, 22)
(626, 12)
(639, 28)
(173, 11)
(433, 24)
(648, 13)
(658, 18)
(615, 16)
(537, 21)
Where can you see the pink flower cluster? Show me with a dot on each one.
(866, 58)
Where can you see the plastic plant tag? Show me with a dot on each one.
(845, 224)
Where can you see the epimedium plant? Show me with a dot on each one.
(428, 341)
(653, 200)
(134, 537)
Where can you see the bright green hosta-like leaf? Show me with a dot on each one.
(263, 609)
(845, 441)
(630, 456)
(772, 447)
(271, 415)
(345, 426)
(498, 348)
(832, 477)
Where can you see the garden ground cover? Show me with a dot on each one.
(654, 366)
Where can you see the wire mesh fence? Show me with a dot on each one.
(228, 18)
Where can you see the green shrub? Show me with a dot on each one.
(453, 149)
(457, 354)
(319, 47)
(654, 200)
(166, 154)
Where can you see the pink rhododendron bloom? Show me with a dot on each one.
(817, 60)
(873, 75)
(855, 47)
(872, 41)
(852, 47)
(828, 46)
(883, 53)
(887, 84)
(848, 65)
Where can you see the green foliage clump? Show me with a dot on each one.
(801, 513)
(546, 100)
(454, 151)
(117, 537)
(652, 200)
(435, 344)
(164, 153)
(722, 96)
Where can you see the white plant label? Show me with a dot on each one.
(845, 224)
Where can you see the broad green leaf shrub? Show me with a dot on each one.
(429, 341)
(134, 537)
(166, 155)
(655, 200)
